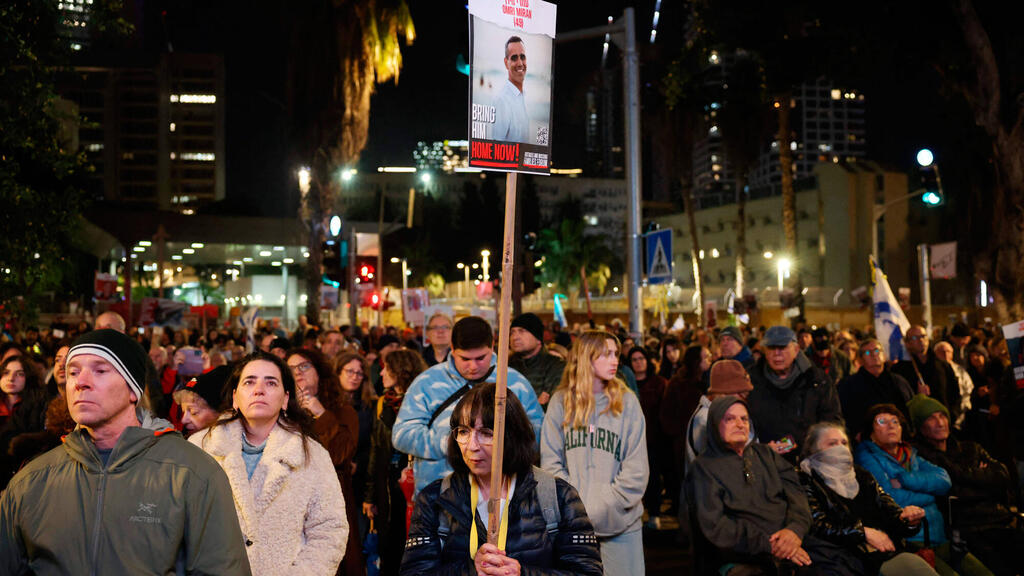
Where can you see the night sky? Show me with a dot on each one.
(906, 107)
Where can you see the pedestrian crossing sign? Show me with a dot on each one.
(659, 256)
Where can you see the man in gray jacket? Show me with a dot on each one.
(125, 494)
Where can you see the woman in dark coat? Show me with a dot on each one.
(336, 426)
(383, 501)
(544, 527)
(857, 529)
(22, 408)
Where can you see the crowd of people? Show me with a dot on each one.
(341, 450)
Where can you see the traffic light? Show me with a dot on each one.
(366, 271)
(332, 263)
(929, 178)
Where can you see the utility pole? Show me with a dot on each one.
(623, 33)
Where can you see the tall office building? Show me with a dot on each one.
(828, 123)
(712, 177)
(153, 127)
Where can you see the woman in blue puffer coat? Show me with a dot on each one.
(544, 527)
(911, 481)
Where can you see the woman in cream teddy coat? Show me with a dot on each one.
(286, 491)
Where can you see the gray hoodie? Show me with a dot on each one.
(605, 461)
(742, 500)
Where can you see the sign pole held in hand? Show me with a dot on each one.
(501, 389)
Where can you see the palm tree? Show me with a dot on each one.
(568, 254)
(742, 126)
(341, 50)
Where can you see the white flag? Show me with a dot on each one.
(942, 260)
(248, 320)
(890, 321)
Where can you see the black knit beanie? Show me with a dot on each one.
(531, 323)
(123, 353)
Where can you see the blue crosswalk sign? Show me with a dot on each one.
(659, 256)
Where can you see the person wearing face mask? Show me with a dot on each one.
(857, 528)
(822, 354)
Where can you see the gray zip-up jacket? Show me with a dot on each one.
(159, 506)
(606, 461)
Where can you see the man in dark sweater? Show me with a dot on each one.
(927, 374)
(872, 384)
(531, 359)
(790, 394)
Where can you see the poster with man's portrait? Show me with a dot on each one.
(511, 49)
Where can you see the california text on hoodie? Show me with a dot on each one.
(158, 506)
(742, 500)
(606, 461)
(413, 434)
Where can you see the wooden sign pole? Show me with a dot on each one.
(504, 321)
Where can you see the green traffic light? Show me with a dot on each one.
(931, 198)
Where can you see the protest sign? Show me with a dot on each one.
(510, 102)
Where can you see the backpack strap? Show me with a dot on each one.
(458, 394)
(448, 402)
(547, 496)
(444, 529)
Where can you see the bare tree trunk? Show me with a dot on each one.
(1001, 263)
(741, 234)
(698, 272)
(789, 196)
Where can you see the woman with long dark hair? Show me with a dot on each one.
(544, 528)
(286, 491)
(22, 407)
(384, 502)
(337, 428)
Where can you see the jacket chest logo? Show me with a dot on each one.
(144, 514)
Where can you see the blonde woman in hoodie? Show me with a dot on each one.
(594, 437)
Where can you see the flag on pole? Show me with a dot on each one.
(248, 320)
(890, 321)
(559, 312)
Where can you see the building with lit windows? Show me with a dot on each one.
(153, 128)
(443, 156)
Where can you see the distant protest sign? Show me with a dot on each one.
(1014, 334)
(510, 101)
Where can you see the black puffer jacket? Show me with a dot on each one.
(836, 538)
(572, 551)
(980, 482)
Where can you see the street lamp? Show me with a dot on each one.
(783, 266)
(304, 180)
(486, 264)
(465, 283)
(405, 271)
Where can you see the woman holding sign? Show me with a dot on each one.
(594, 436)
(543, 524)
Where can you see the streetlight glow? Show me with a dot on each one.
(925, 157)
(304, 179)
(395, 260)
